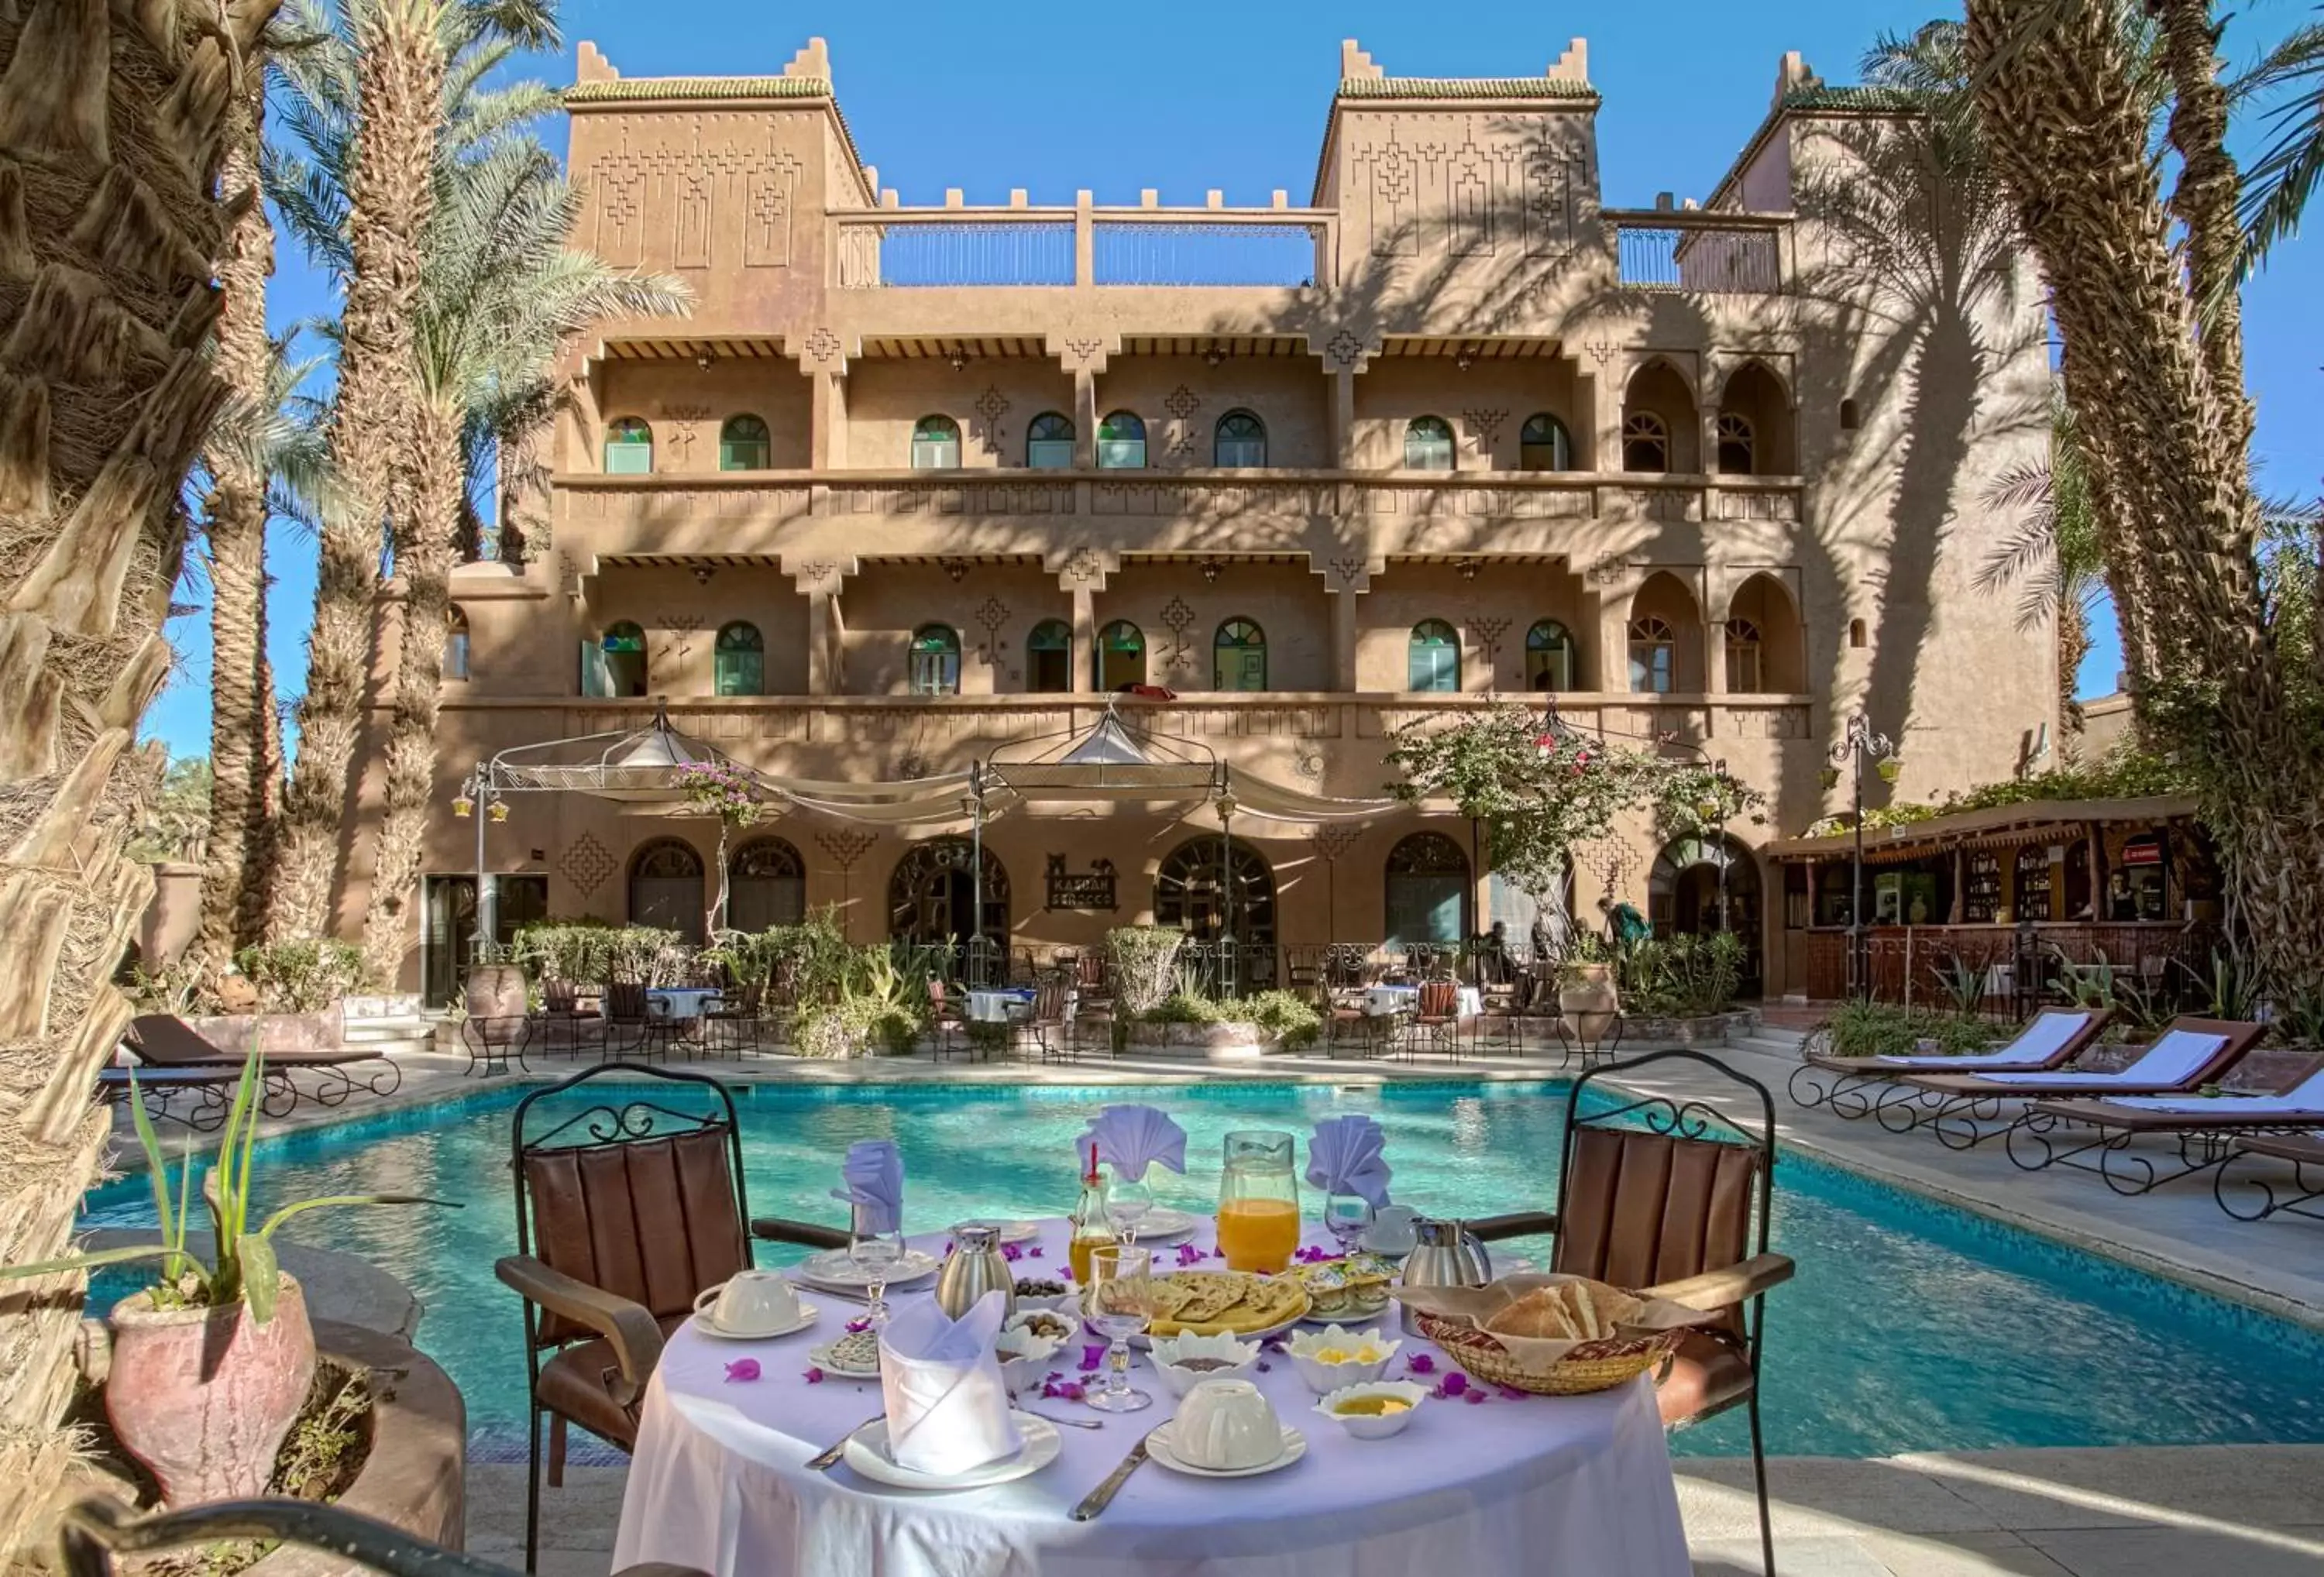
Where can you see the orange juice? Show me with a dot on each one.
(1258, 1234)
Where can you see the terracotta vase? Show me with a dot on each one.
(1587, 998)
(495, 991)
(204, 1396)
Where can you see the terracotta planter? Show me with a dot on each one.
(1587, 998)
(204, 1396)
(495, 991)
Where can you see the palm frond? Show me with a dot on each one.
(2278, 186)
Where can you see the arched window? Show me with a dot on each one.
(1428, 444)
(1428, 892)
(628, 447)
(1120, 655)
(739, 662)
(1239, 657)
(1121, 443)
(1646, 442)
(1746, 675)
(1544, 445)
(456, 643)
(1239, 442)
(1433, 662)
(1049, 442)
(666, 887)
(934, 660)
(1217, 890)
(742, 444)
(933, 893)
(1654, 657)
(1856, 638)
(1549, 656)
(766, 885)
(1050, 657)
(1735, 445)
(616, 663)
(936, 444)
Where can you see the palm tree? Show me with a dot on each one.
(2052, 555)
(2152, 368)
(113, 126)
(2287, 171)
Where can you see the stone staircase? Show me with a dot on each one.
(1768, 1041)
(387, 1024)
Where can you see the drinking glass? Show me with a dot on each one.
(874, 1252)
(1121, 1305)
(1347, 1217)
(1128, 1202)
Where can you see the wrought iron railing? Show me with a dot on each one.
(1713, 254)
(968, 251)
(1201, 253)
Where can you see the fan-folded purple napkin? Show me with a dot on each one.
(1131, 1139)
(1345, 1156)
(873, 1174)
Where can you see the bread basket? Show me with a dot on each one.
(1643, 1333)
(1590, 1366)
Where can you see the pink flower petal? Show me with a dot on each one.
(1511, 1394)
(741, 1369)
(857, 1327)
(1420, 1363)
(1092, 1356)
(813, 1377)
(1472, 1396)
(1034, 1252)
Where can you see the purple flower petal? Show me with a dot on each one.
(1034, 1252)
(857, 1327)
(1472, 1396)
(1511, 1394)
(1011, 1252)
(1453, 1385)
(1420, 1363)
(813, 1377)
(743, 1369)
(1092, 1355)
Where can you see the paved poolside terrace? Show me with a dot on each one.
(2221, 1511)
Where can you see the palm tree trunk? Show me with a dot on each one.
(240, 862)
(110, 136)
(2204, 203)
(423, 556)
(2073, 645)
(2172, 480)
(399, 102)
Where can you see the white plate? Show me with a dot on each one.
(807, 1315)
(1162, 1225)
(1011, 1231)
(867, 1454)
(1157, 1446)
(833, 1269)
(821, 1357)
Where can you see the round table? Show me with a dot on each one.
(681, 1001)
(1380, 1000)
(999, 1007)
(1548, 1484)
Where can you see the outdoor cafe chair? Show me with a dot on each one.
(1050, 1021)
(947, 1024)
(632, 1025)
(1436, 1026)
(1667, 1195)
(627, 1209)
(736, 1023)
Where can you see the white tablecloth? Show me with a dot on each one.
(1404, 999)
(999, 1007)
(1574, 1486)
(681, 1001)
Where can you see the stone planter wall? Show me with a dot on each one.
(1713, 1029)
(1226, 1042)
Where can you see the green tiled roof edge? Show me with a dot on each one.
(1851, 98)
(1463, 88)
(699, 87)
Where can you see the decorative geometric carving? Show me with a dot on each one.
(1606, 571)
(1488, 633)
(1347, 571)
(683, 421)
(680, 181)
(993, 614)
(955, 569)
(1182, 402)
(1344, 350)
(1178, 618)
(993, 405)
(1484, 424)
(821, 345)
(1333, 841)
(1601, 351)
(845, 845)
(1083, 353)
(1180, 454)
(1082, 567)
(586, 863)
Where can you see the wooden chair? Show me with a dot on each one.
(946, 1022)
(626, 1210)
(1668, 1195)
(1436, 1026)
(738, 1022)
(1048, 1023)
(631, 1024)
(560, 1025)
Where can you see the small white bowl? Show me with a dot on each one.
(1025, 1358)
(1323, 1378)
(1170, 1353)
(1373, 1426)
(1052, 1302)
(1023, 1317)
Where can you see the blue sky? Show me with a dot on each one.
(1204, 95)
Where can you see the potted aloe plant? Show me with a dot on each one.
(211, 1363)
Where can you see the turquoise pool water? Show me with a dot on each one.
(1911, 1326)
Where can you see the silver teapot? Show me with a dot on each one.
(975, 1267)
(1446, 1254)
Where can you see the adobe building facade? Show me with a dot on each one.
(914, 481)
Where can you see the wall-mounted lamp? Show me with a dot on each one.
(1214, 356)
(1211, 568)
(703, 572)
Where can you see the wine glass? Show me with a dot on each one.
(1347, 1217)
(874, 1245)
(1128, 1202)
(1121, 1304)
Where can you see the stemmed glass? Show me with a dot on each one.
(1128, 1202)
(874, 1252)
(1121, 1305)
(1347, 1217)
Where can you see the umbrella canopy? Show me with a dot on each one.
(638, 767)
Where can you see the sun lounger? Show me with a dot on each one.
(2188, 1054)
(2253, 1195)
(211, 1090)
(2051, 1133)
(164, 1041)
(1854, 1086)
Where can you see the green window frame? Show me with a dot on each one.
(1239, 442)
(616, 662)
(739, 660)
(1428, 444)
(1433, 660)
(628, 447)
(743, 444)
(1654, 657)
(1549, 656)
(1239, 656)
(933, 660)
(1544, 444)
(1049, 658)
(1049, 442)
(1121, 442)
(936, 444)
(1120, 655)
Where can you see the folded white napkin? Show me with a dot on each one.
(1131, 1139)
(1345, 1157)
(940, 1377)
(873, 1173)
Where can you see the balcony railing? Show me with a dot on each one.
(964, 247)
(1712, 253)
(971, 252)
(1133, 253)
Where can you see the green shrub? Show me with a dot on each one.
(1884, 1029)
(1679, 977)
(1284, 1018)
(1183, 1008)
(302, 977)
(1144, 960)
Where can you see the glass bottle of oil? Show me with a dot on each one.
(1092, 1230)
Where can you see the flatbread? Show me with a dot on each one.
(1224, 1302)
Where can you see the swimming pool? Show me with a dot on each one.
(1912, 1327)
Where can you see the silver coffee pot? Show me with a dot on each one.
(1446, 1254)
(975, 1267)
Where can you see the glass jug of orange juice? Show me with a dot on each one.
(1259, 1201)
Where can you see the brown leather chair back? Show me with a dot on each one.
(652, 1220)
(1439, 999)
(625, 999)
(1645, 1208)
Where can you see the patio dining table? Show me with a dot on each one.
(999, 1006)
(1381, 1000)
(1507, 1484)
(681, 1001)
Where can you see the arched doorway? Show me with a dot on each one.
(1429, 893)
(1188, 893)
(666, 887)
(932, 896)
(1692, 878)
(766, 885)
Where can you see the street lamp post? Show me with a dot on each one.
(1859, 743)
(479, 799)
